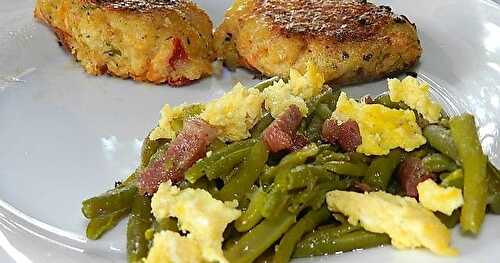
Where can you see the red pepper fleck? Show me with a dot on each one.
(178, 53)
(179, 81)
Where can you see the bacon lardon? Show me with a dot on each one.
(282, 133)
(189, 146)
(346, 134)
(412, 172)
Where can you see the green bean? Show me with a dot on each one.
(291, 179)
(261, 125)
(323, 111)
(227, 177)
(277, 201)
(325, 234)
(266, 83)
(356, 157)
(304, 175)
(149, 147)
(330, 97)
(463, 131)
(313, 128)
(324, 187)
(255, 242)
(493, 190)
(298, 157)
(167, 223)
(301, 200)
(196, 171)
(306, 224)
(199, 168)
(188, 111)
(385, 100)
(266, 257)
(202, 183)
(303, 124)
(493, 181)
(139, 221)
(249, 172)
(327, 156)
(315, 124)
(439, 163)
(278, 196)
(216, 145)
(314, 196)
(418, 153)
(455, 179)
(230, 236)
(101, 224)
(493, 170)
(450, 221)
(291, 160)
(226, 164)
(440, 138)
(131, 180)
(346, 168)
(335, 243)
(113, 200)
(494, 204)
(327, 148)
(381, 169)
(253, 214)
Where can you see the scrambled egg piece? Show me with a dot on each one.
(381, 128)
(170, 247)
(204, 217)
(234, 113)
(416, 95)
(407, 222)
(438, 198)
(172, 119)
(308, 85)
(279, 98)
(299, 88)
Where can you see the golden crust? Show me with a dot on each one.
(339, 21)
(169, 42)
(138, 5)
(350, 41)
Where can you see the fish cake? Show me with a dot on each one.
(350, 41)
(147, 40)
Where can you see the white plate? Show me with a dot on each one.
(65, 135)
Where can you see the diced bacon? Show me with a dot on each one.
(346, 134)
(349, 136)
(189, 146)
(329, 131)
(282, 132)
(411, 173)
(299, 142)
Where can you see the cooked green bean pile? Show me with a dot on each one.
(282, 198)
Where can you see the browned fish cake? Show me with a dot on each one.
(149, 40)
(350, 41)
